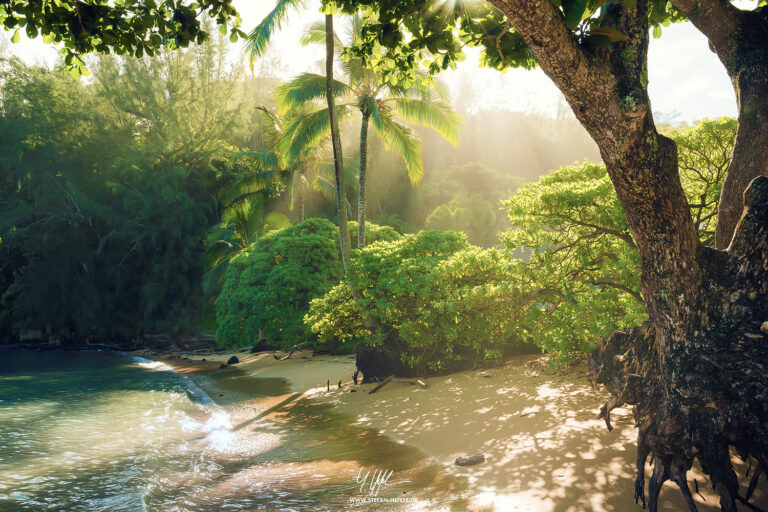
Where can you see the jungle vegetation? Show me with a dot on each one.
(693, 372)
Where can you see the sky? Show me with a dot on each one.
(686, 81)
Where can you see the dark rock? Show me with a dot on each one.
(233, 360)
(353, 391)
(262, 346)
(383, 360)
(222, 366)
(470, 460)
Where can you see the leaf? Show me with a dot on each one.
(613, 34)
(259, 37)
(574, 10)
(15, 37)
(305, 88)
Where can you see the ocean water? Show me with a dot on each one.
(102, 431)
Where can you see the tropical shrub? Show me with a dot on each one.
(575, 262)
(440, 297)
(569, 274)
(578, 278)
(269, 285)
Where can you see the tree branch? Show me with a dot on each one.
(716, 19)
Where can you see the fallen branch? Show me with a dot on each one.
(293, 349)
(392, 378)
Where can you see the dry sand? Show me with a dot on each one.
(545, 450)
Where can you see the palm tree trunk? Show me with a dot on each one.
(301, 204)
(370, 323)
(361, 197)
(336, 141)
(302, 185)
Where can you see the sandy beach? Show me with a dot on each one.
(544, 449)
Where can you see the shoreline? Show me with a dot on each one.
(544, 448)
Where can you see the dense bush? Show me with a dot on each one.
(568, 277)
(439, 296)
(270, 284)
(102, 234)
(581, 278)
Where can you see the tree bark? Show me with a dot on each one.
(361, 190)
(750, 150)
(740, 40)
(302, 185)
(697, 382)
(336, 142)
(712, 392)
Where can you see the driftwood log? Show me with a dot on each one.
(392, 378)
(293, 349)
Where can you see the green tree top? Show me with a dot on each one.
(125, 27)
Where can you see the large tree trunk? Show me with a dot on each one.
(740, 40)
(341, 209)
(697, 382)
(361, 190)
(710, 393)
(750, 151)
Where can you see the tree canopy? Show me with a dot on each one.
(124, 27)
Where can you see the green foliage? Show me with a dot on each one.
(105, 200)
(704, 152)
(398, 37)
(466, 198)
(125, 27)
(575, 262)
(441, 296)
(581, 279)
(270, 284)
(241, 225)
(569, 274)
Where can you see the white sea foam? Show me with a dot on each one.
(199, 395)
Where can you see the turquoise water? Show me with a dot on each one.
(101, 431)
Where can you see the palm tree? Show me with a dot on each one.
(393, 108)
(256, 44)
(241, 225)
(295, 169)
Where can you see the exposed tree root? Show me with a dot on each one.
(710, 394)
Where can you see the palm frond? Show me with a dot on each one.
(326, 169)
(275, 221)
(327, 189)
(246, 186)
(406, 143)
(305, 88)
(305, 132)
(258, 39)
(271, 117)
(437, 115)
(263, 158)
(315, 34)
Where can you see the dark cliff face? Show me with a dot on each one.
(40, 339)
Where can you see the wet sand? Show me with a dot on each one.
(545, 450)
